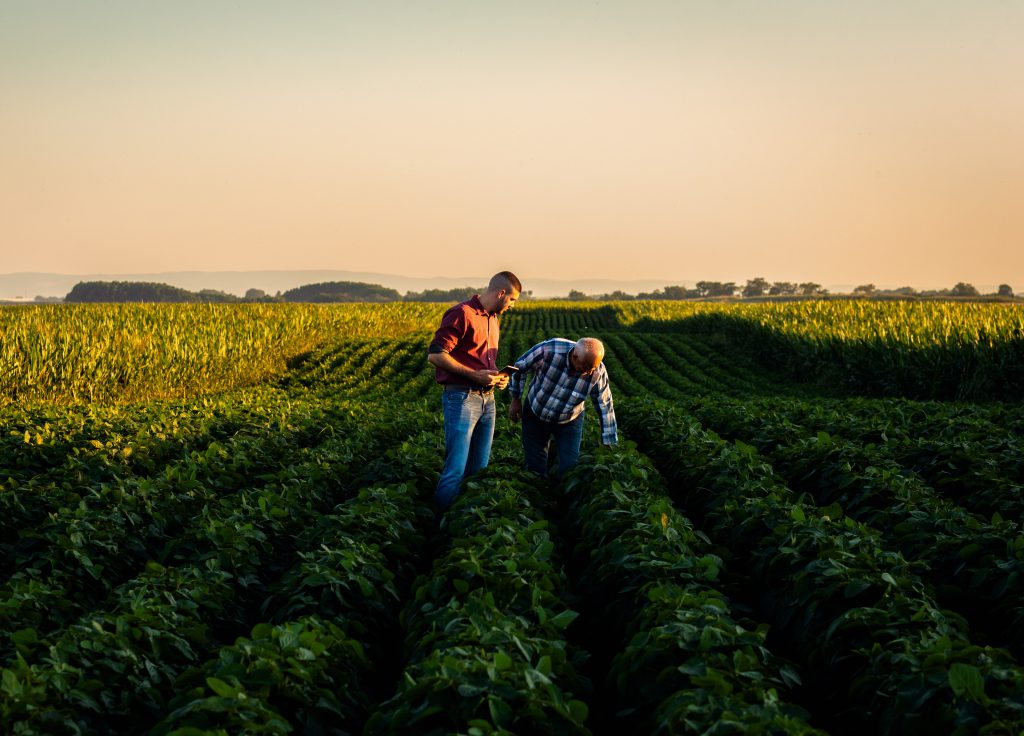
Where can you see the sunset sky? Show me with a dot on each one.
(803, 140)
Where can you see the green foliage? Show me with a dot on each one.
(267, 559)
(341, 291)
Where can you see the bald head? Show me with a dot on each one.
(587, 354)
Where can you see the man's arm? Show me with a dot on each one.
(601, 393)
(452, 330)
(481, 377)
(528, 362)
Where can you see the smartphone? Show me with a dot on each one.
(509, 370)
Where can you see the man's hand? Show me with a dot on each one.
(515, 410)
(503, 382)
(487, 378)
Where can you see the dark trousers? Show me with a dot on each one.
(537, 434)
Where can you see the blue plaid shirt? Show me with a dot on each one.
(558, 393)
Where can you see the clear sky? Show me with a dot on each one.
(870, 141)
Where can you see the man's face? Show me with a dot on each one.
(584, 366)
(506, 300)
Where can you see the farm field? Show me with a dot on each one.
(219, 520)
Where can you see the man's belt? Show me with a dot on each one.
(469, 389)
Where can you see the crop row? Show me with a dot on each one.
(969, 460)
(315, 666)
(976, 565)
(485, 628)
(876, 648)
(118, 668)
(101, 536)
(682, 662)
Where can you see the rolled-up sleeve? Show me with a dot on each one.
(453, 327)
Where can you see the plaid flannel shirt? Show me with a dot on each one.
(557, 393)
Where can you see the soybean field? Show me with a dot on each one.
(219, 520)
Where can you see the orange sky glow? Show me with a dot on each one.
(798, 141)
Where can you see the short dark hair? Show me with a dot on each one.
(504, 280)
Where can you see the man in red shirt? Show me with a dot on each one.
(463, 352)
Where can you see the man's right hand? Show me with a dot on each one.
(515, 410)
(486, 378)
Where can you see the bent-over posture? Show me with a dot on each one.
(564, 373)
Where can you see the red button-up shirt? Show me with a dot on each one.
(469, 333)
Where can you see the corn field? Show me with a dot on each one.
(131, 352)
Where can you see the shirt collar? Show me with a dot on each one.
(478, 305)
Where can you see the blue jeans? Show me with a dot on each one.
(468, 431)
(537, 434)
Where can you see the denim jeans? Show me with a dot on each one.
(468, 431)
(537, 434)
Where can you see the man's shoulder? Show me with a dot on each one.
(560, 344)
(467, 308)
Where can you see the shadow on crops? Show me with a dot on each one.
(969, 371)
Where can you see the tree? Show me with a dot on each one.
(215, 295)
(255, 294)
(864, 289)
(962, 289)
(577, 296)
(617, 296)
(781, 288)
(1005, 290)
(128, 291)
(716, 288)
(458, 294)
(677, 292)
(342, 291)
(809, 287)
(755, 287)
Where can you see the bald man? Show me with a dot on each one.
(564, 373)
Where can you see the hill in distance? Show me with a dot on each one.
(28, 285)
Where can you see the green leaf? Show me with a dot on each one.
(966, 680)
(856, 587)
(502, 661)
(24, 636)
(501, 712)
(221, 688)
(578, 710)
(10, 684)
(564, 619)
(798, 514)
(969, 551)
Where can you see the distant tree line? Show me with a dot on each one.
(323, 293)
(354, 291)
(760, 287)
(141, 291)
